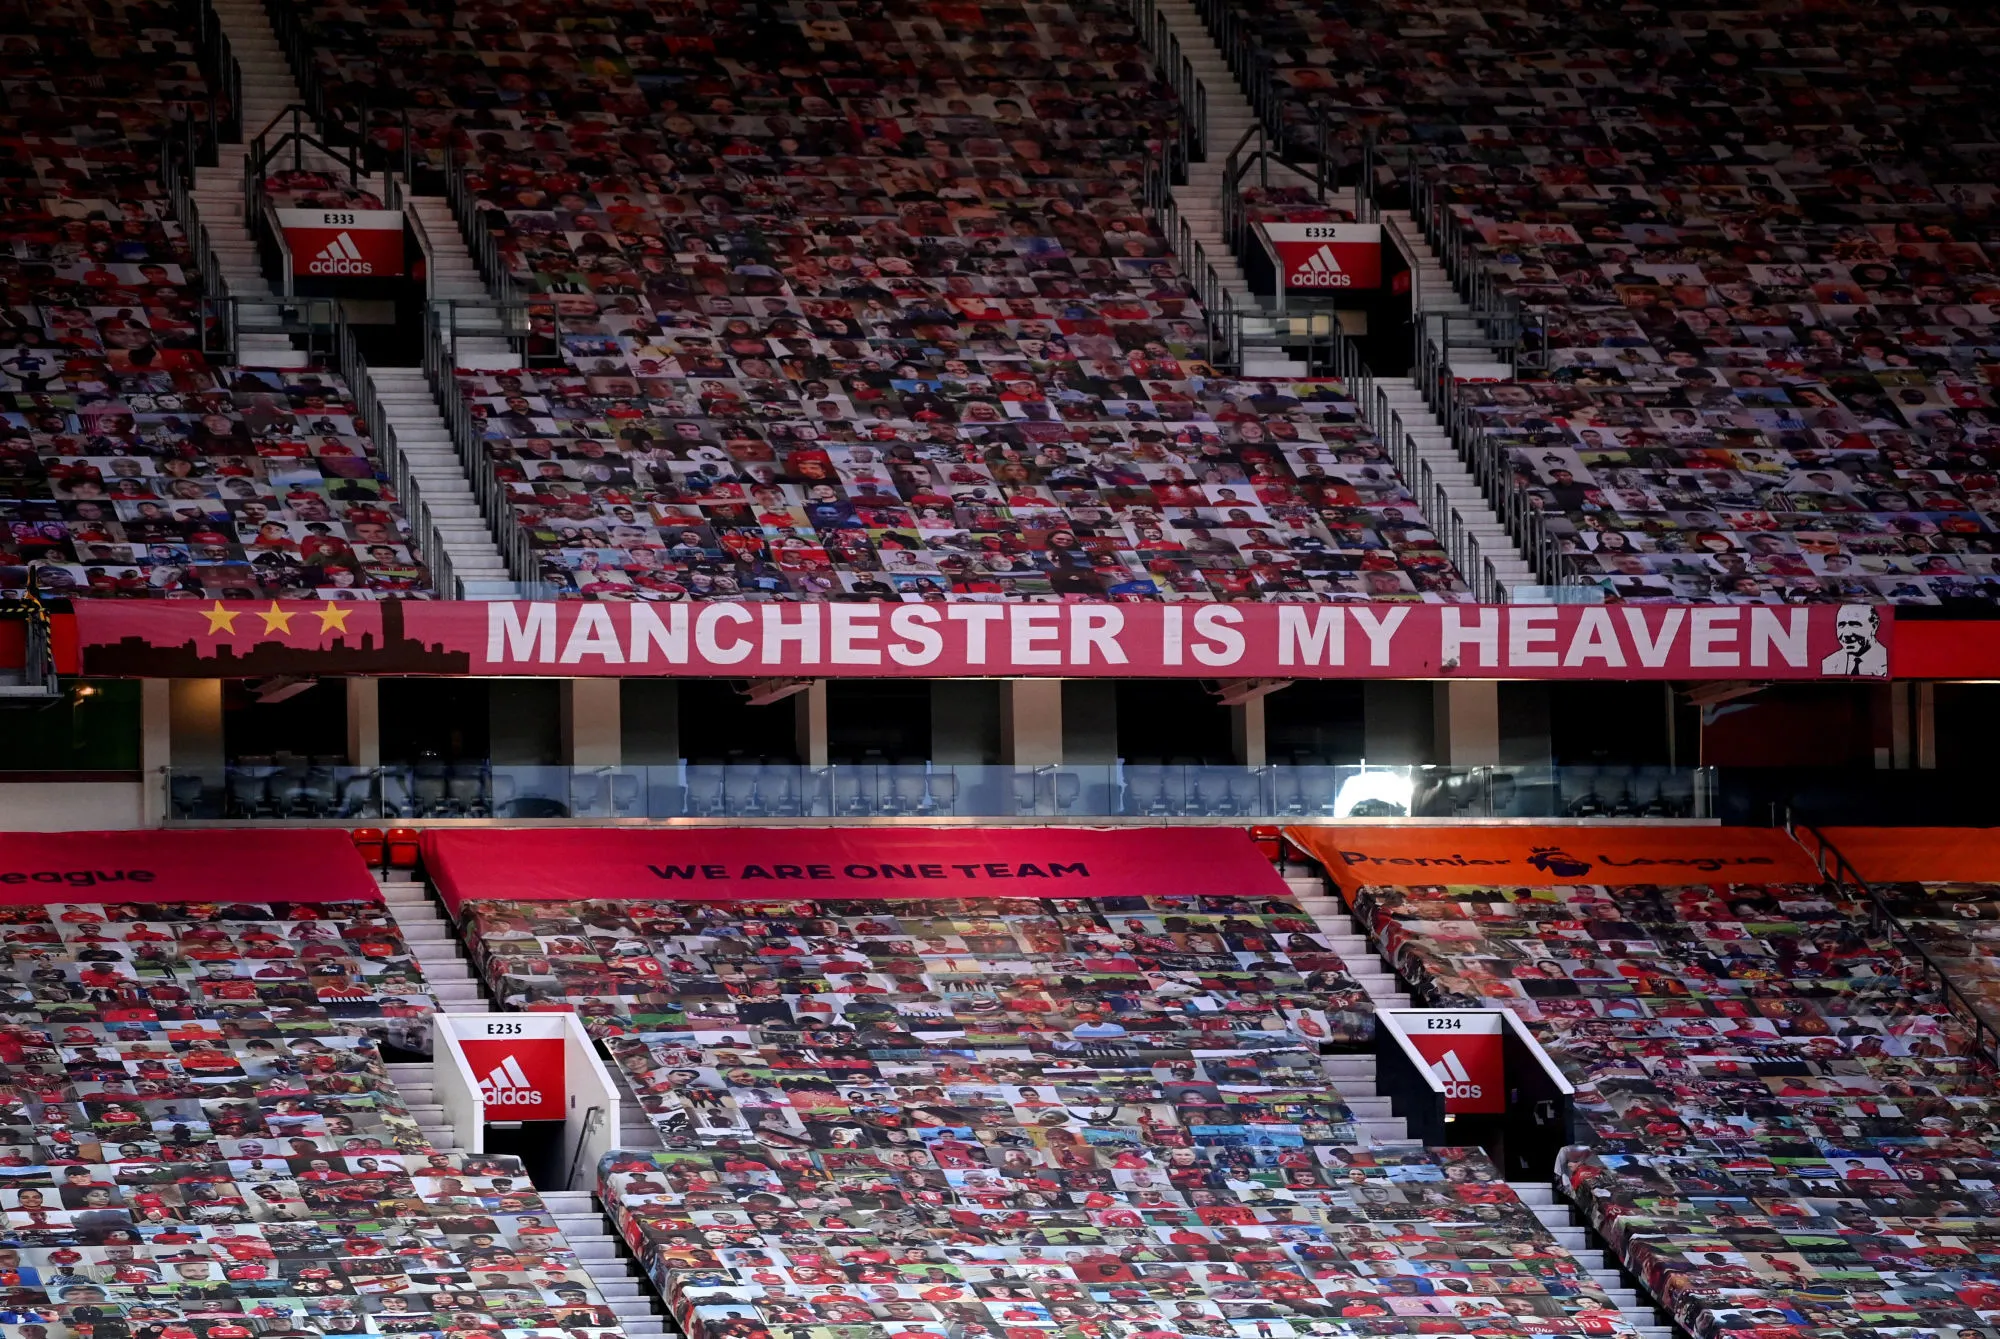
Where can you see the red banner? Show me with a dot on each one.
(196, 639)
(783, 864)
(344, 243)
(520, 1079)
(1327, 257)
(220, 865)
(1463, 1049)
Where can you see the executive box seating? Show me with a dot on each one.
(869, 308)
(1782, 1125)
(1754, 261)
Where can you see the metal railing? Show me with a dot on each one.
(1234, 37)
(220, 69)
(294, 132)
(1204, 281)
(310, 322)
(1454, 530)
(288, 26)
(297, 131)
(177, 181)
(1392, 229)
(1528, 524)
(427, 247)
(296, 789)
(342, 120)
(1252, 150)
(445, 323)
(37, 676)
(1157, 36)
(477, 230)
(1884, 923)
(1482, 453)
(425, 539)
(1493, 333)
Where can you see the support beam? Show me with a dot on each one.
(1923, 724)
(591, 733)
(1235, 692)
(194, 710)
(1899, 728)
(1031, 728)
(1721, 691)
(1466, 722)
(763, 692)
(809, 702)
(364, 722)
(156, 749)
(1246, 731)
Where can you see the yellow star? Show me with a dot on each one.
(333, 617)
(218, 617)
(276, 619)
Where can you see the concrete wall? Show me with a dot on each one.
(71, 806)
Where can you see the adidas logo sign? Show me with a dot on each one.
(1457, 1080)
(1322, 270)
(340, 256)
(508, 1085)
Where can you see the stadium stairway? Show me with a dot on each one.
(1603, 1268)
(1442, 484)
(216, 227)
(414, 425)
(476, 327)
(424, 927)
(1199, 199)
(599, 1249)
(1366, 965)
(634, 1130)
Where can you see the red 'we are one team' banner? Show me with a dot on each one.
(195, 639)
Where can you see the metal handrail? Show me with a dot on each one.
(1486, 456)
(427, 249)
(177, 181)
(1453, 528)
(425, 537)
(1835, 869)
(288, 26)
(1156, 35)
(1393, 227)
(441, 334)
(477, 230)
(287, 281)
(1204, 281)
